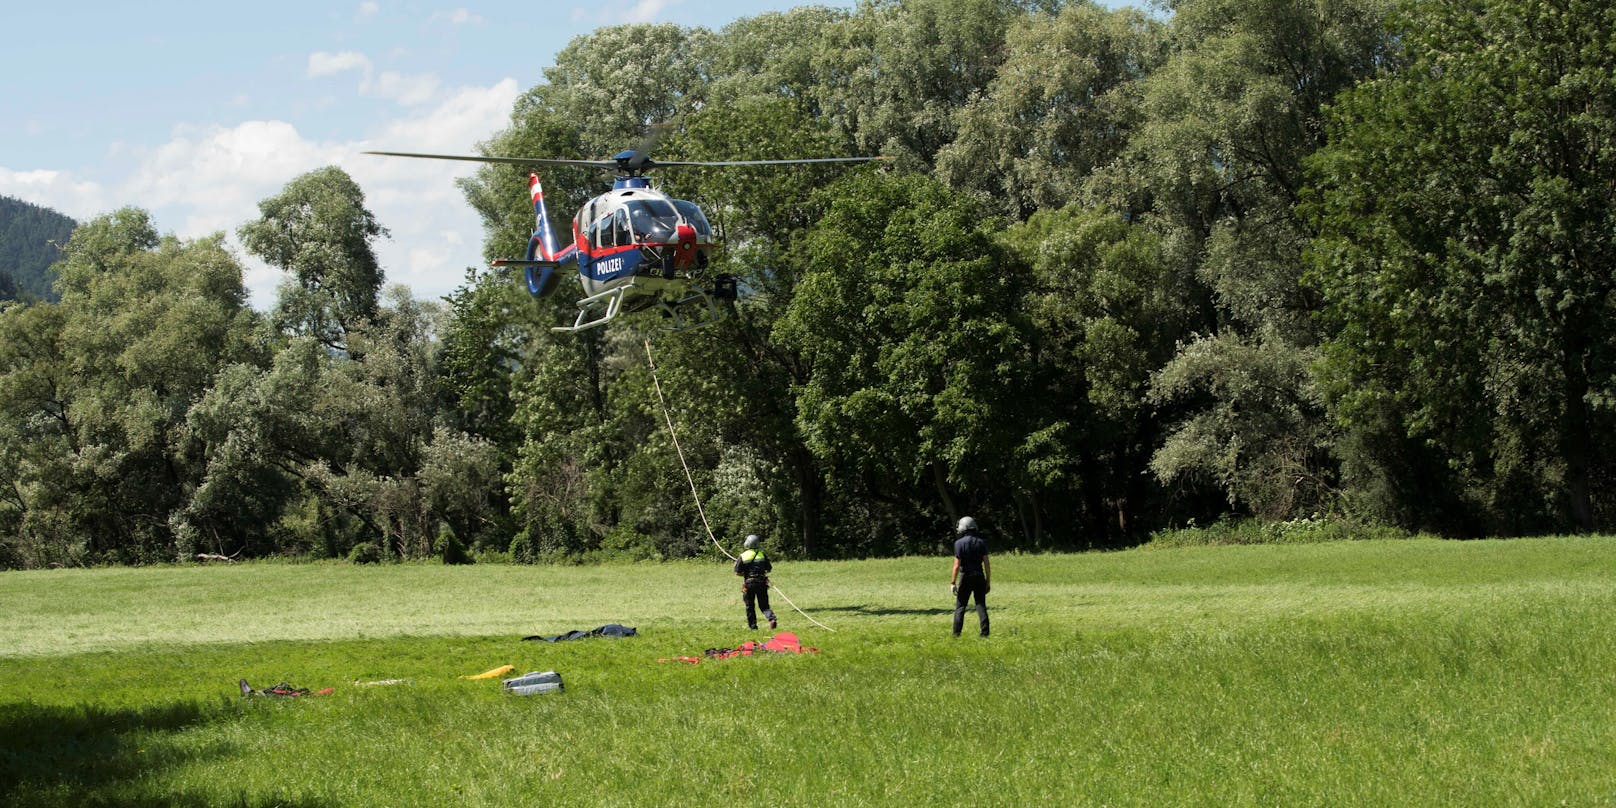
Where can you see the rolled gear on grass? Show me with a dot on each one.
(282, 690)
(609, 630)
(533, 684)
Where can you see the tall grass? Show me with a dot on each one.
(1369, 673)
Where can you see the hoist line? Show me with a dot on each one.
(689, 478)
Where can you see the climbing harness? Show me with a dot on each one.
(692, 480)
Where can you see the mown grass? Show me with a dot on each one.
(1372, 673)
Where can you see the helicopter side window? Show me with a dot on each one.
(695, 218)
(584, 222)
(600, 232)
(621, 235)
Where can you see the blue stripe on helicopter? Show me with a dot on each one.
(614, 262)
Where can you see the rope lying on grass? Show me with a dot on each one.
(692, 480)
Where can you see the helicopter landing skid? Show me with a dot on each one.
(607, 304)
(602, 307)
(708, 312)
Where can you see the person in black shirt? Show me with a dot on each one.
(971, 575)
(753, 567)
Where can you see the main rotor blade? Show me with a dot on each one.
(666, 163)
(520, 161)
(631, 161)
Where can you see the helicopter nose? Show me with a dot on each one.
(684, 256)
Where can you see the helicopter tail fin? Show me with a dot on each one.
(544, 240)
(543, 256)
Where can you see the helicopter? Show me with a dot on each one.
(634, 247)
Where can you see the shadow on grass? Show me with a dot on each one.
(866, 609)
(89, 755)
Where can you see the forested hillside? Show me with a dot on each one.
(1280, 260)
(30, 241)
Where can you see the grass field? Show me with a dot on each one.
(1354, 673)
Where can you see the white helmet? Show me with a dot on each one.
(967, 524)
(752, 541)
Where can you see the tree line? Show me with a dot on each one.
(1275, 260)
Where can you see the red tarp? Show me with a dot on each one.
(783, 643)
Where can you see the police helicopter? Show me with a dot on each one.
(634, 247)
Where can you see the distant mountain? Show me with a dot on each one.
(29, 235)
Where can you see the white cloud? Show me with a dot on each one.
(330, 64)
(407, 90)
(459, 16)
(391, 85)
(368, 9)
(214, 168)
(621, 11)
(57, 190)
(471, 114)
(648, 10)
(207, 179)
(435, 234)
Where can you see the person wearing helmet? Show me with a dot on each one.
(753, 567)
(971, 574)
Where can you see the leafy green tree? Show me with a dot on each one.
(1062, 105)
(1263, 439)
(770, 203)
(99, 385)
(732, 380)
(780, 55)
(894, 74)
(617, 82)
(587, 462)
(1465, 206)
(906, 319)
(363, 445)
(329, 451)
(255, 430)
(318, 230)
(1215, 170)
(1106, 309)
(560, 407)
(36, 436)
(478, 354)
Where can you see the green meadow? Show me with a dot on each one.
(1416, 672)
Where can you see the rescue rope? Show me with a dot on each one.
(689, 478)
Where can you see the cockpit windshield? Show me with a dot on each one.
(694, 216)
(652, 219)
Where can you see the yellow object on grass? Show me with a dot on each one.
(499, 671)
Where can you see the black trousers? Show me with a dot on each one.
(755, 594)
(971, 583)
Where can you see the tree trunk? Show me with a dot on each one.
(1575, 433)
(807, 498)
(1021, 516)
(941, 480)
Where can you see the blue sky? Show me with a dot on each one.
(195, 111)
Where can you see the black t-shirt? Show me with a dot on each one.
(970, 550)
